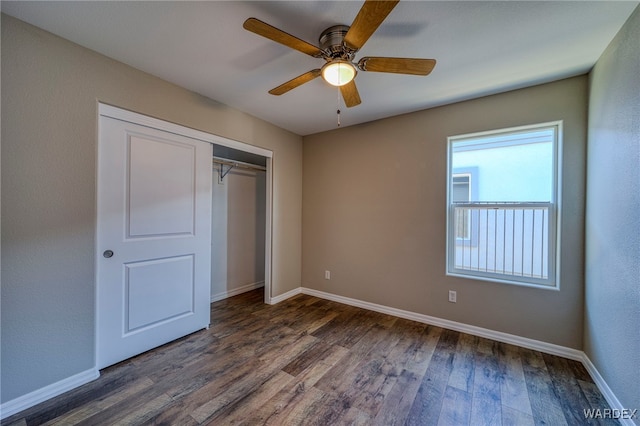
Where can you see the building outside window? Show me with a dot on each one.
(503, 205)
(461, 193)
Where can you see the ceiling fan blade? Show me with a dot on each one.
(350, 94)
(369, 18)
(295, 82)
(272, 33)
(397, 65)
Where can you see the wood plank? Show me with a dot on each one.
(428, 402)
(486, 404)
(354, 375)
(398, 402)
(293, 399)
(377, 378)
(143, 412)
(132, 410)
(566, 389)
(231, 360)
(113, 380)
(236, 391)
(456, 407)
(462, 371)
(173, 414)
(513, 387)
(423, 350)
(411, 339)
(513, 417)
(486, 410)
(304, 411)
(244, 408)
(356, 417)
(231, 368)
(413, 352)
(314, 354)
(544, 405)
(596, 401)
(310, 376)
(335, 409)
(100, 404)
(19, 422)
(346, 329)
(579, 371)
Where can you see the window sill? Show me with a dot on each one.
(554, 286)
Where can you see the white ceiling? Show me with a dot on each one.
(481, 48)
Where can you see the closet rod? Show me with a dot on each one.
(238, 164)
(232, 164)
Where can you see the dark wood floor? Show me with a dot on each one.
(315, 362)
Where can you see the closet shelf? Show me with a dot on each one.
(234, 164)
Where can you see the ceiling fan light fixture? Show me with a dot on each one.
(338, 73)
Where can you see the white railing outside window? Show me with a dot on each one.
(503, 240)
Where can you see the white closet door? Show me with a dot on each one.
(153, 238)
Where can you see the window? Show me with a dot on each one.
(502, 199)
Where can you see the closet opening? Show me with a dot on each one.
(239, 223)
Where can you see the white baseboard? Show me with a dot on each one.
(284, 296)
(524, 342)
(236, 291)
(23, 402)
(605, 390)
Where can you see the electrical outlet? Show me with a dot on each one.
(452, 296)
(327, 275)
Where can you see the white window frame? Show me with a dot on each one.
(555, 210)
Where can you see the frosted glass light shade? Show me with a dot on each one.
(338, 73)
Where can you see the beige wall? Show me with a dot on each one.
(612, 310)
(374, 214)
(50, 90)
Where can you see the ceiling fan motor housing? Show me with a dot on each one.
(332, 43)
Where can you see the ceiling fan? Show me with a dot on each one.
(338, 47)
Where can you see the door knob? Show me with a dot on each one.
(108, 253)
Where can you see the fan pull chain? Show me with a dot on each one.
(338, 108)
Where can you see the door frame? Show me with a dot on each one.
(117, 113)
